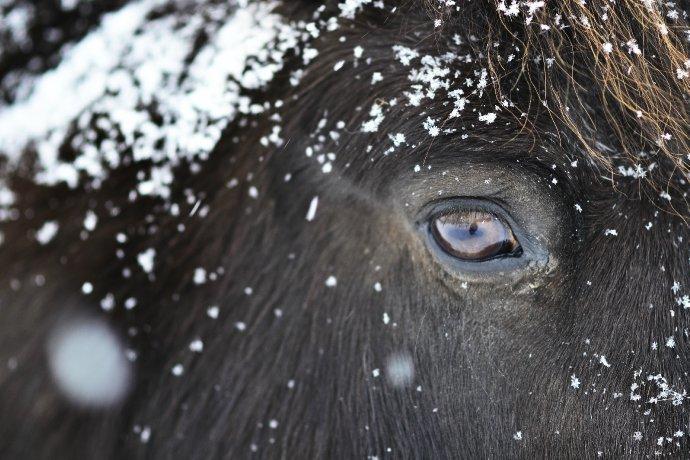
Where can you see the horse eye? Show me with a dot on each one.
(474, 236)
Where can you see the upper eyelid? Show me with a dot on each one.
(470, 209)
(455, 204)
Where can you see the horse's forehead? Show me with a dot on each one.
(166, 95)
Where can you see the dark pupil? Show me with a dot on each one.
(473, 235)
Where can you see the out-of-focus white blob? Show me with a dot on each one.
(400, 370)
(88, 363)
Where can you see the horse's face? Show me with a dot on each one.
(391, 258)
(450, 281)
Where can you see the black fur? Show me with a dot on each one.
(491, 361)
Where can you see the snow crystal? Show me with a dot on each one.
(108, 302)
(90, 221)
(386, 318)
(311, 212)
(400, 370)
(145, 434)
(199, 275)
(430, 125)
(309, 54)
(397, 139)
(404, 54)
(47, 232)
(146, 260)
(130, 303)
(488, 118)
(671, 342)
(177, 370)
(512, 10)
(213, 312)
(88, 364)
(376, 117)
(196, 345)
(633, 47)
(87, 288)
(349, 8)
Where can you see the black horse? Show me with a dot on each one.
(438, 230)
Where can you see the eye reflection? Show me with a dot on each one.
(474, 235)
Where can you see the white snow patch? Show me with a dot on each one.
(129, 63)
(61, 94)
(488, 118)
(376, 117)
